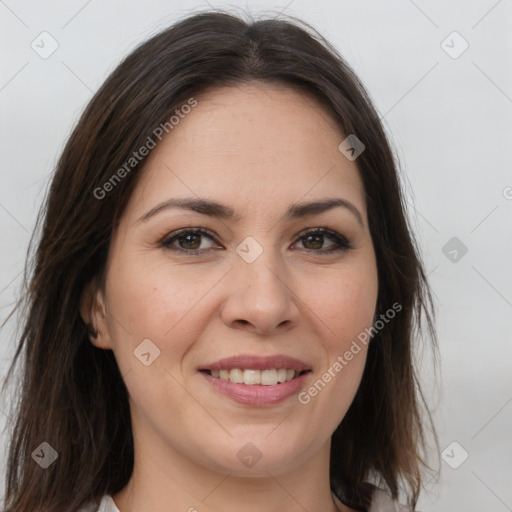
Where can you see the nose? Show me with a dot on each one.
(260, 297)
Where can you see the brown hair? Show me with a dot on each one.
(72, 394)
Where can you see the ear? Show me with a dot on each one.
(93, 313)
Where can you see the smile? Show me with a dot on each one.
(254, 377)
(256, 394)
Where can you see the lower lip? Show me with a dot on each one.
(257, 395)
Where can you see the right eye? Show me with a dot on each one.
(188, 240)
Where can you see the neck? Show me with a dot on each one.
(164, 480)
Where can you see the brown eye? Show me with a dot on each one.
(191, 241)
(313, 240)
(187, 240)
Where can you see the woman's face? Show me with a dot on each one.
(258, 288)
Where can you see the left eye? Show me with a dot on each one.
(189, 240)
(316, 237)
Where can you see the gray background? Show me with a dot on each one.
(449, 118)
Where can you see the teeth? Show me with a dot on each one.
(252, 377)
(236, 376)
(256, 377)
(269, 377)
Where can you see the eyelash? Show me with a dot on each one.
(342, 244)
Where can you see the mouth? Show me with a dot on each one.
(256, 380)
(261, 388)
(257, 377)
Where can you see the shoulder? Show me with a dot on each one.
(107, 504)
(382, 502)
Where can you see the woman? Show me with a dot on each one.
(270, 369)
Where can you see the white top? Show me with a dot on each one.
(381, 503)
(107, 505)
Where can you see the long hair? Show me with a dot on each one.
(71, 394)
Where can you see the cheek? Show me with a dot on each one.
(346, 303)
(345, 307)
(149, 302)
(159, 303)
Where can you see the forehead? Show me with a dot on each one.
(249, 146)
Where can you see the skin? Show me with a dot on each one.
(257, 148)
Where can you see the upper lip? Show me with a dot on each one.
(253, 362)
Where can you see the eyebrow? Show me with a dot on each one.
(214, 209)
